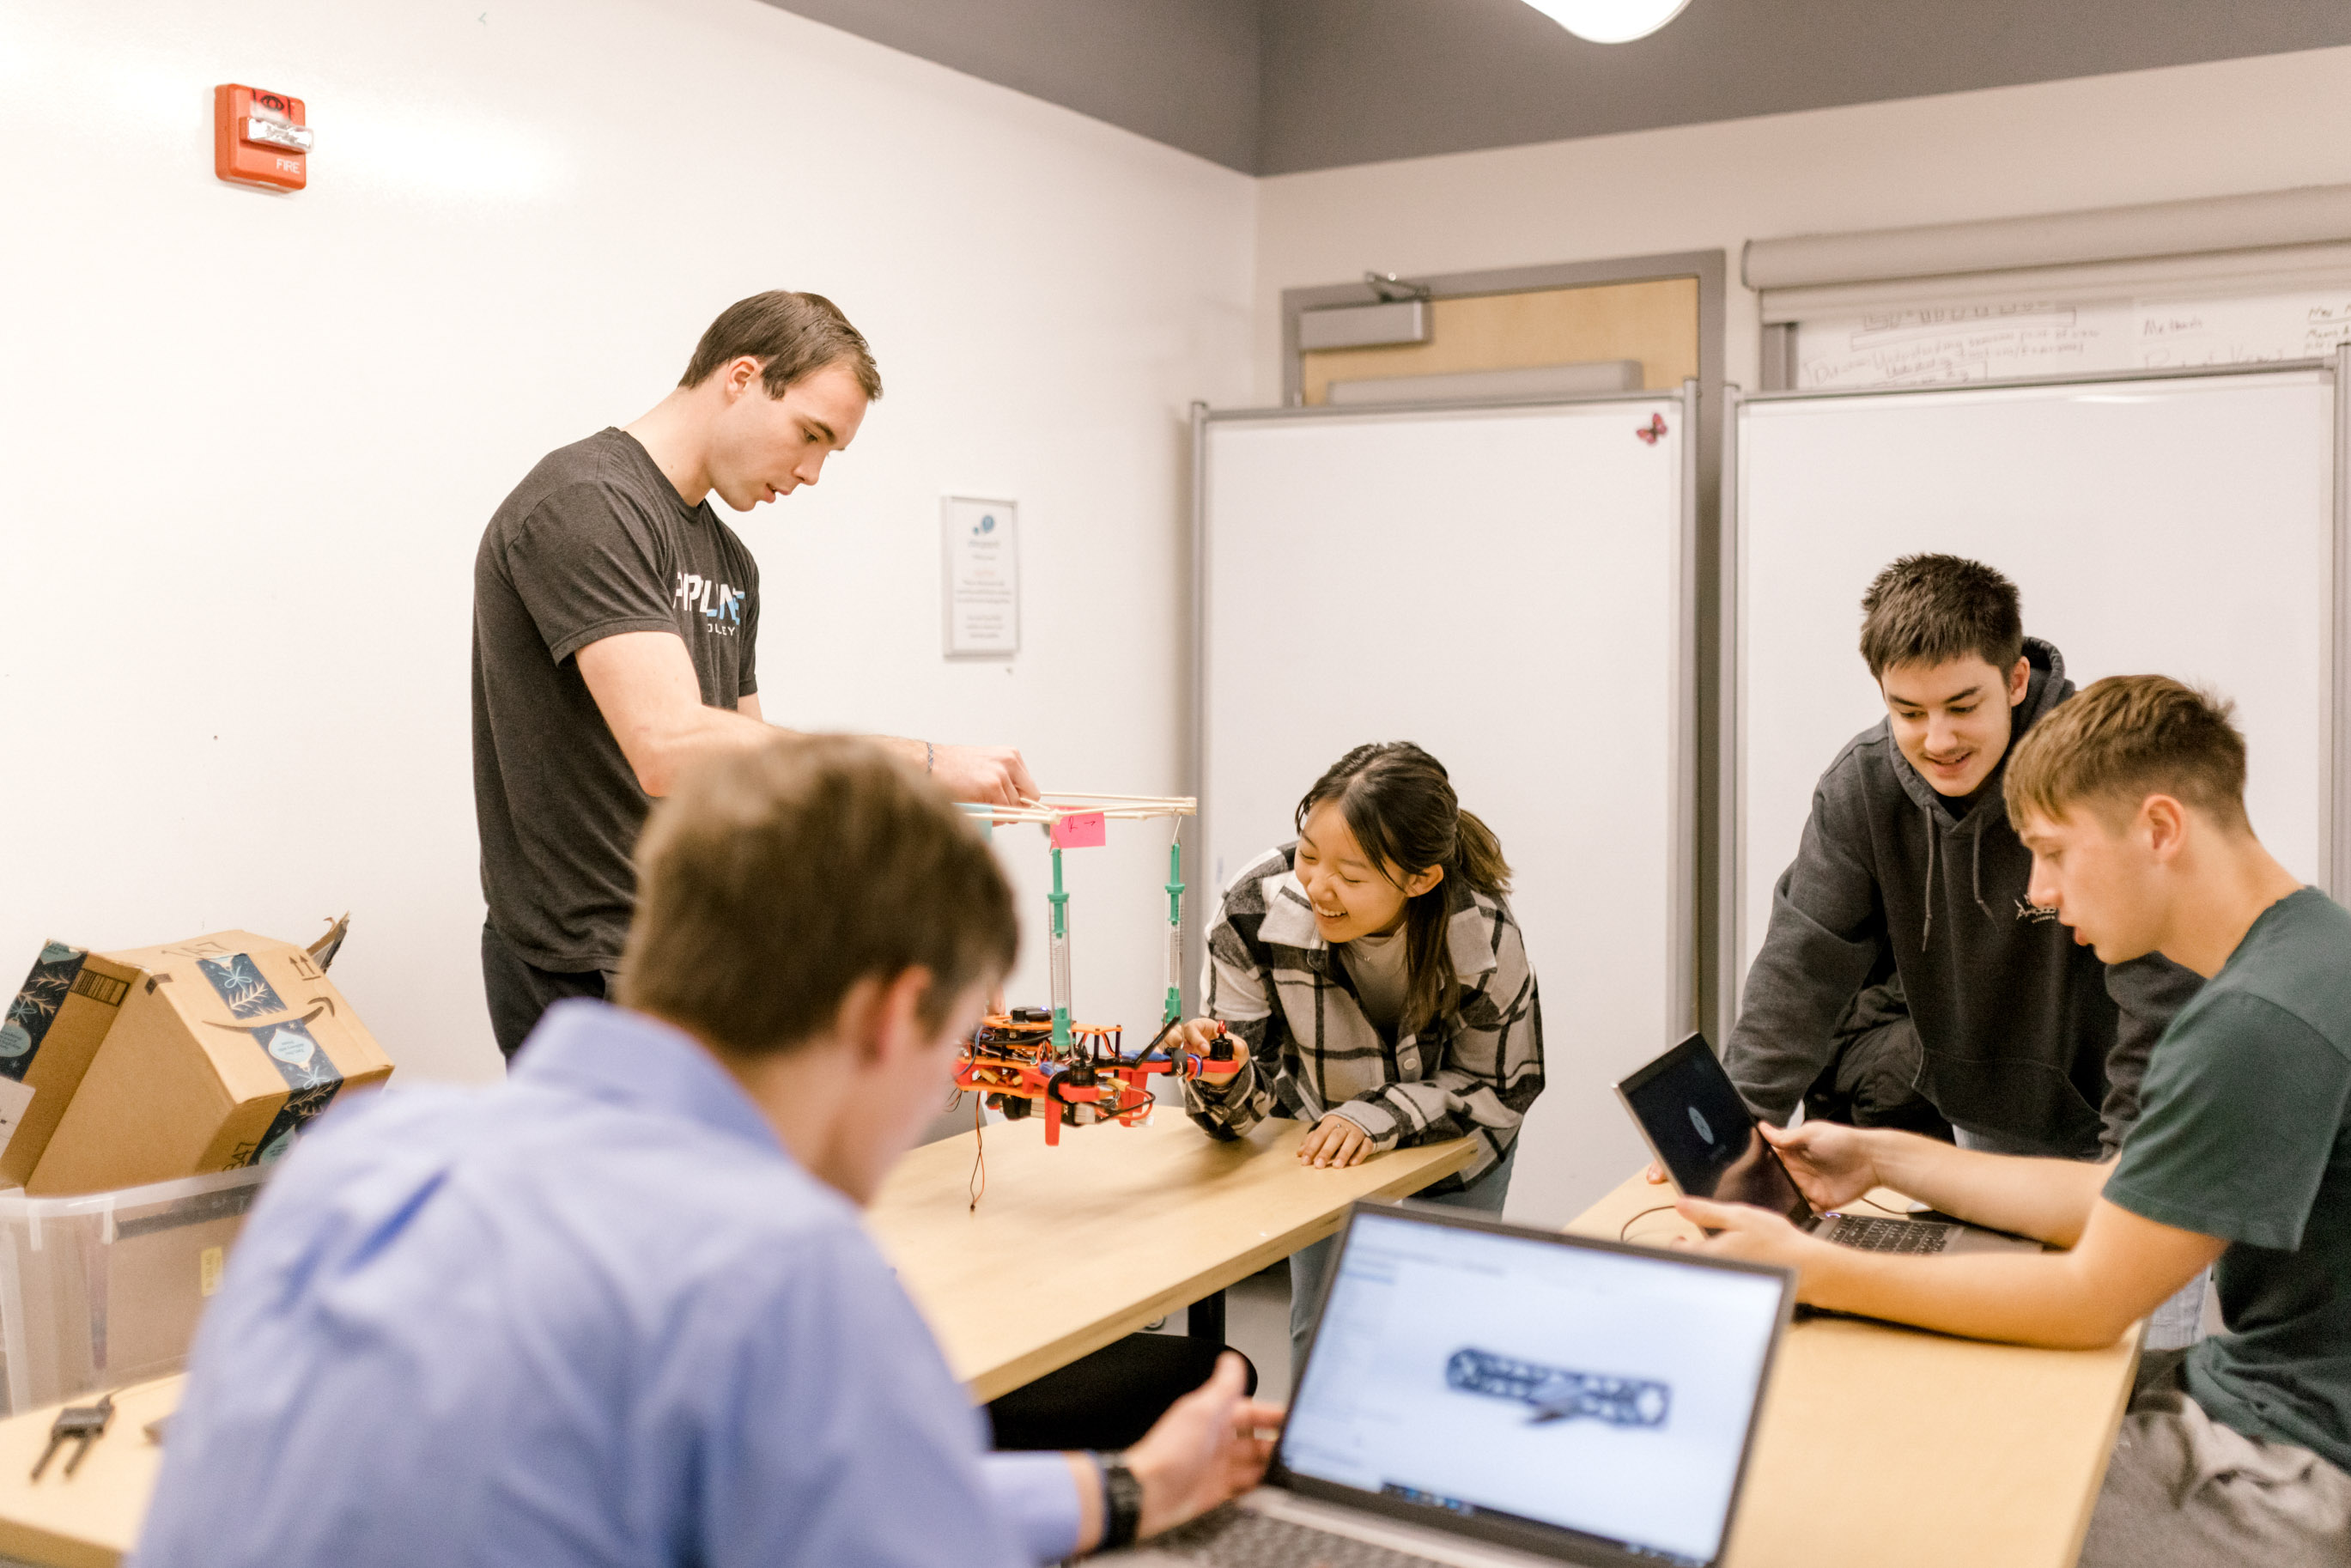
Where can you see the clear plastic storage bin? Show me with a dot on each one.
(104, 1290)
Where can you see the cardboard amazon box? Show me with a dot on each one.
(220, 1052)
(46, 1041)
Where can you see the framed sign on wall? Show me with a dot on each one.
(980, 584)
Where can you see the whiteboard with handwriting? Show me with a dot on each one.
(2008, 339)
(2181, 525)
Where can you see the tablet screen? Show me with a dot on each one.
(1705, 1135)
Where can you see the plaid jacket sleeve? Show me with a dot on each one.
(1236, 989)
(1478, 1072)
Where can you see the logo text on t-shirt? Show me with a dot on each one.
(719, 604)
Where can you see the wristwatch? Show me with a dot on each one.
(1122, 1502)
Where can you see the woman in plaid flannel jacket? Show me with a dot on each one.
(1448, 1043)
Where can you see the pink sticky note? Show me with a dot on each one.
(1081, 831)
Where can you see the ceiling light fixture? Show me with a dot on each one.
(1610, 21)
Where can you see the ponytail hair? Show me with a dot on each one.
(1399, 803)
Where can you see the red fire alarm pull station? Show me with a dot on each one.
(259, 138)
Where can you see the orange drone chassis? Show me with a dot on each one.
(1011, 1061)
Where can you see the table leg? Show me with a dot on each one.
(1205, 1318)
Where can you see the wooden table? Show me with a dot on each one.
(1882, 1445)
(1878, 1445)
(87, 1519)
(1071, 1248)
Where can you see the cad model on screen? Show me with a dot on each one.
(1557, 1393)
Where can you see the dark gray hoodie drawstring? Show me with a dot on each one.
(1928, 898)
(1974, 871)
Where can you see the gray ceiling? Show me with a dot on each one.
(1272, 87)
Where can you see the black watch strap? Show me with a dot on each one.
(1122, 1502)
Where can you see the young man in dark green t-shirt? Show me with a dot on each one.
(2131, 798)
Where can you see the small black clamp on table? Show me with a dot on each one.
(81, 1424)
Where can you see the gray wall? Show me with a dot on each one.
(1274, 87)
(1356, 82)
(1184, 72)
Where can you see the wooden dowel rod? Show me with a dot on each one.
(1090, 795)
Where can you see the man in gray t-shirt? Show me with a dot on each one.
(616, 623)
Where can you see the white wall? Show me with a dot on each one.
(250, 441)
(2207, 130)
(2145, 136)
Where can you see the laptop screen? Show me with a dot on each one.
(1705, 1135)
(1565, 1394)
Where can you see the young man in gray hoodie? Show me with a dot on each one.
(1909, 885)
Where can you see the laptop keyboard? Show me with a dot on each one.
(1892, 1235)
(1236, 1538)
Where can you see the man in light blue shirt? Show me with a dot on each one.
(621, 1309)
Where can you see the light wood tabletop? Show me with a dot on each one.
(88, 1518)
(1878, 1445)
(1883, 1445)
(1071, 1248)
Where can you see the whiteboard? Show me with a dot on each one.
(2008, 338)
(1510, 589)
(2178, 525)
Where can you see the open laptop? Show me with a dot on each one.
(1705, 1138)
(1483, 1395)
